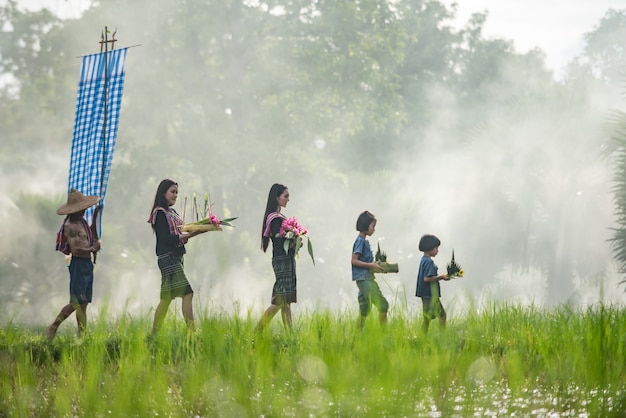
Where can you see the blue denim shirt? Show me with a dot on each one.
(427, 290)
(362, 247)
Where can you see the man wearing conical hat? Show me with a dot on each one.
(77, 240)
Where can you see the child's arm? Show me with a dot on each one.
(429, 279)
(362, 264)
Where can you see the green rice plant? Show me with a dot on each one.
(502, 360)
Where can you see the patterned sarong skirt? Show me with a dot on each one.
(173, 280)
(284, 291)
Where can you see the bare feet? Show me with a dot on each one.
(51, 331)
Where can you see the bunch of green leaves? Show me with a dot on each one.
(380, 256)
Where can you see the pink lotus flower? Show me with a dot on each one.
(215, 220)
(293, 232)
(292, 229)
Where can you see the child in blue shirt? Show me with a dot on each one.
(363, 269)
(428, 288)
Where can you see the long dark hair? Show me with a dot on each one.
(159, 197)
(272, 203)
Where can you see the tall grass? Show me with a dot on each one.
(503, 361)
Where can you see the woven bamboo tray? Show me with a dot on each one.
(195, 227)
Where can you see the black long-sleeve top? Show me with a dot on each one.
(166, 242)
(278, 244)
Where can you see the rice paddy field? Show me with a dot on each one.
(504, 361)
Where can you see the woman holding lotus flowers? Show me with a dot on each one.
(283, 261)
(170, 248)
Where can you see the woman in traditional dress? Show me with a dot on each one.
(170, 248)
(283, 262)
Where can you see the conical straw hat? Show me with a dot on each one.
(76, 201)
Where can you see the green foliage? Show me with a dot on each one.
(518, 360)
(605, 47)
(33, 270)
(617, 151)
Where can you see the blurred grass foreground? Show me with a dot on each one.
(505, 361)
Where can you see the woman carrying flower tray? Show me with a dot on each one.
(209, 221)
(170, 248)
(283, 256)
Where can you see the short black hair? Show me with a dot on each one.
(429, 242)
(364, 220)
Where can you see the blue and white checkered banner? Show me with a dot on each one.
(94, 137)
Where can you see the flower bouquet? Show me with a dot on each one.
(381, 259)
(208, 222)
(454, 270)
(293, 233)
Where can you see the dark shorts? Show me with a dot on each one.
(369, 293)
(81, 280)
(433, 308)
(284, 290)
(174, 283)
